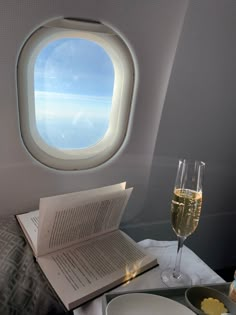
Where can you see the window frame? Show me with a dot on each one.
(83, 158)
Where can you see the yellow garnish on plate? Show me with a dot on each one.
(212, 306)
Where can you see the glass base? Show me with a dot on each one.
(168, 278)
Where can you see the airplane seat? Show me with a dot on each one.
(23, 287)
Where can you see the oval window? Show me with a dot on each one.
(73, 87)
(75, 84)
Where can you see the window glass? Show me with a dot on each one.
(73, 87)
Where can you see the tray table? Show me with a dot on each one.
(177, 294)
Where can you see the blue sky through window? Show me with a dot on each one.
(73, 83)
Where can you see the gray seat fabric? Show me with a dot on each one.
(24, 290)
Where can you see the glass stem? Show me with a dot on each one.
(176, 272)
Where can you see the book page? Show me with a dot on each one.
(70, 198)
(29, 223)
(83, 271)
(64, 221)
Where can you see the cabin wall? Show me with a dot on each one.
(198, 122)
(183, 106)
(23, 180)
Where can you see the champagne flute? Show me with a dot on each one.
(185, 213)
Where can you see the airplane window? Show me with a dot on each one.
(73, 87)
(75, 84)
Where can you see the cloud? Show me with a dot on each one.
(50, 105)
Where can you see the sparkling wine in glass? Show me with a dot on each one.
(185, 213)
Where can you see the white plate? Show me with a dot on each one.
(145, 304)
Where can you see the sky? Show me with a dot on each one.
(73, 81)
(74, 66)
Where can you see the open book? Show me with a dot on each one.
(78, 245)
